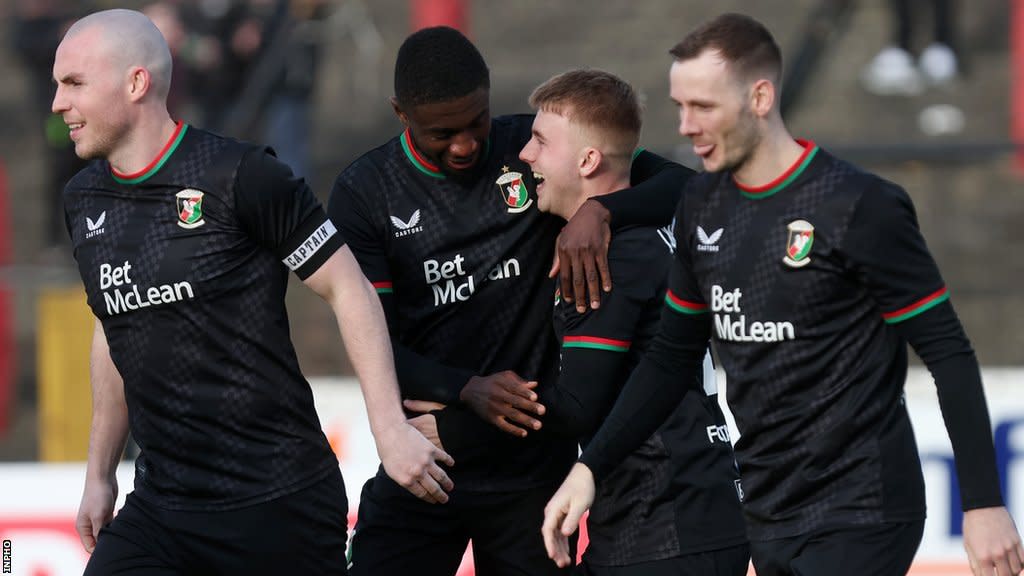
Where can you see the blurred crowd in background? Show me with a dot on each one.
(245, 68)
(915, 90)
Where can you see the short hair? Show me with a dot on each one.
(438, 64)
(743, 42)
(596, 99)
(134, 40)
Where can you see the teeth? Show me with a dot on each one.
(76, 125)
(538, 176)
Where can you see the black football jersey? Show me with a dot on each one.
(678, 493)
(461, 268)
(804, 279)
(186, 265)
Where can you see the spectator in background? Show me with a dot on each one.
(893, 70)
(167, 18)
(38, 26)
(287, 120)
(225, 40)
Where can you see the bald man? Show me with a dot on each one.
(184, 240)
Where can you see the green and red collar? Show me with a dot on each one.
(421, 163)
(158, 162)
(787, 177)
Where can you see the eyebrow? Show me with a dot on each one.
(74, 76)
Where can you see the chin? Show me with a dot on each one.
(86, 153)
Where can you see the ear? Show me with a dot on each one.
(590, 161)
(398, 112)
(139, 83)
(762, 97)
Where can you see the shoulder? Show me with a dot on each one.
(92, 176)
(856, 183)
(639, 253)
(702, 184)
(369, 166)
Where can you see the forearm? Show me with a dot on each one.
(108, 433)
(465, 435)
(657, 184)
(364, 333)
(939, 339)
(422, 378)
(578, 401)
(671, 367)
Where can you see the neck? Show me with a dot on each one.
(599, 186)
(142, 143)
(776, 152)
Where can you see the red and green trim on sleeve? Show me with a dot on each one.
(596, 343)
(924, 304)
(787, 177)
(684, 306)
(384, 287)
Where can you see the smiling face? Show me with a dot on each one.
(92, 93)
(452, 134)
(555, 153)
(715, 111)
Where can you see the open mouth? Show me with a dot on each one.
(703, 150)
(464, 163)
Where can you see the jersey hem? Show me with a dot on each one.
(789, 531)
(709, 546)
(148, 493)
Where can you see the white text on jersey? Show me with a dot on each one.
(736, 329)
(451, 283)
(124, 295)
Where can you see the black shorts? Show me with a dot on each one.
(301, 533)
(732, 561)
(400, 535)
(883, 549)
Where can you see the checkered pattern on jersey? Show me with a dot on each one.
(810, 410)
(216, 400)
(675, 494)
(505, 323)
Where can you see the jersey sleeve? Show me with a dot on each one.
(595, 345)
(419, 377)
(656, 187)
(889, 254)
(672, 366)
(282, 214)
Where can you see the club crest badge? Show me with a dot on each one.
(190, 208)
(798, 244)
(514, 191)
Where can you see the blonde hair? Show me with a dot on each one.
(602, 103)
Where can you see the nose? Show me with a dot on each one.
(59, 104)
(687, 125)
(463, 145)
(527, 154)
